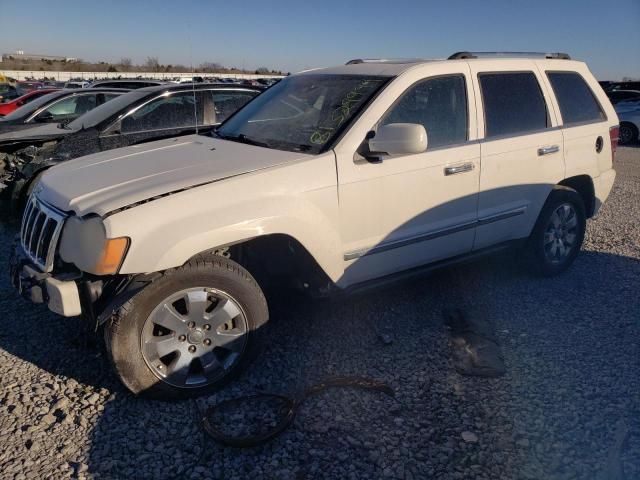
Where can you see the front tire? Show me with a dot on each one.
(558, 233)
(189, 332)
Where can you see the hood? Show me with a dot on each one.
(106, 181)
(28, 132)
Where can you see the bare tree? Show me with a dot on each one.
(262, 70)
(125, 63)
(153, 64)
(210, 67)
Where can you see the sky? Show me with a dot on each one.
(295, 35)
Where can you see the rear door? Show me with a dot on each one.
(170, 114)
(521, 149)
(584, 123)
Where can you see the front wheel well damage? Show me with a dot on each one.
(277, 260)
(583, 184)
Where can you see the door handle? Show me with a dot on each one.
(455, 169)
(547, 150)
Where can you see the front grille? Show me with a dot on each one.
(41, 227)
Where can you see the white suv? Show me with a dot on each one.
(331, 180)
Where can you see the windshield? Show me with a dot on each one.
(31, 107)
(106, 110)
(302, 113)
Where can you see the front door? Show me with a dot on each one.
(404, 211)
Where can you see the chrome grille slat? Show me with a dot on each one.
(40, 231)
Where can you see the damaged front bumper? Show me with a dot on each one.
(60, 294)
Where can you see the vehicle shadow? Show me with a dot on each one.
(416, 432)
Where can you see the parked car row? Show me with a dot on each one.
(332, 180)
(71, 123)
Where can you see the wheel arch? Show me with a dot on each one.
(583, 184)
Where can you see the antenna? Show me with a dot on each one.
(193, 85)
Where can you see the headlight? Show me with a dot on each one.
(85, 244)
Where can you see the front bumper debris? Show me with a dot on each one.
(60, 295)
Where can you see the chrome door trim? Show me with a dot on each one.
(502, 215)
(403, 242)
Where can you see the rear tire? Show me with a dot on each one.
(558, 233)
(627, 134)
(190, 331)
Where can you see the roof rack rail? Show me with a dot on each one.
(356, 61)
(463, 55)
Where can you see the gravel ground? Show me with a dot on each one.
(571, 346)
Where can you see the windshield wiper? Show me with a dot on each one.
(64, 125)
(242, 138)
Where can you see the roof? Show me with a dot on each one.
(169, 87)
(394, 67)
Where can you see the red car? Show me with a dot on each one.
(8, 107)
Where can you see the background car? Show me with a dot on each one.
(139, 116)
(616, 96)
(633, 85)
(28, 86)
(629, 116)
(81, 84)
(57, 107)
(8, 107)
(131, 84)
(9, 92)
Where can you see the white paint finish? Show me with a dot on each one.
(405, 196)
(298, 199)
(105, 181)
(243, 191)
(513, 174)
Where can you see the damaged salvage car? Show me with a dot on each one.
(332, 180)
(58, 106)
(138, 116)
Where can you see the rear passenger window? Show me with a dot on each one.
(513, 104)
(440, 105)
(576, 100)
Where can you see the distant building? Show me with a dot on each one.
(20, 55)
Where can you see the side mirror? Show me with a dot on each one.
(44, 117)
(399, 139)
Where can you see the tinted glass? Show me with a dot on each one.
(227, 102)
(31, 107)
(440, 104)
(303, 112)
(513, 103)
(70, 107)
(576, 100)
(173, 111)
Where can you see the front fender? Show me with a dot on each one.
(168, 231)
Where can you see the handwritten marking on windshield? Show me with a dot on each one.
(340, 114)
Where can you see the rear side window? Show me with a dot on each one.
(440, 105)
(513, 104)
(576, 100)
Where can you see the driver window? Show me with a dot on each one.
(440, 105)
(172, 111)
(68, 109)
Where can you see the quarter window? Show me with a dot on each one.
(440, 105)
(513, 104)
(576, 100)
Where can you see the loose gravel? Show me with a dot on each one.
(571, 392)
